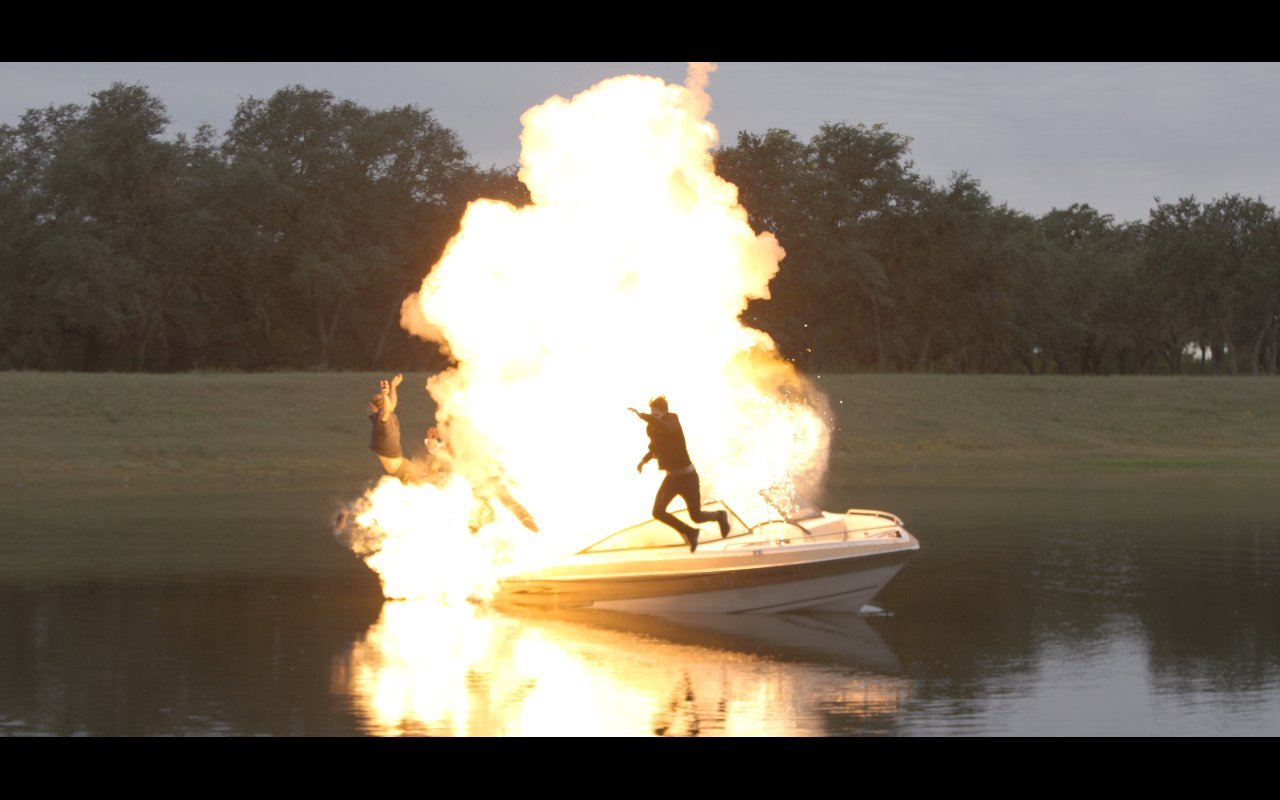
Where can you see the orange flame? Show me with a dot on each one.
(622, 280)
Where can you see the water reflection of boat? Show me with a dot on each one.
(810, 559)
(811, 636)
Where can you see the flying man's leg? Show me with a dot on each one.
(513, 505)
(691, 491)
(666, 493)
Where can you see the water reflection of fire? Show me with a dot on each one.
(429, 668)
(623, 279)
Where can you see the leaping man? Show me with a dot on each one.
(666, 443)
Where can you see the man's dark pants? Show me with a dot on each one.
(690, 489)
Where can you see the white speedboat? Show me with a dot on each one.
(810, 559)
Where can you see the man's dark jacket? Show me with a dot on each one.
(666, 441)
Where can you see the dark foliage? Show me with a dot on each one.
(290, 241)
(886, 270)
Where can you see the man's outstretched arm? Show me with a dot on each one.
(387, 391)
(386, 427)
(650, 454)
(642, 415)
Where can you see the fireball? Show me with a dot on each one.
(625, 278)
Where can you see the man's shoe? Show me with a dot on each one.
(692, 539)
(724, 524)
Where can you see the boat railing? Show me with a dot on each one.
(869, 512)
(808, 537)
(653, 534)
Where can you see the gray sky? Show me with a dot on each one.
(1036, 135)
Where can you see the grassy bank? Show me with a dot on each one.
(1036, 423)
(110, 476)
(227, 431)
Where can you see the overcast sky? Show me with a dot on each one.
(1038, 136)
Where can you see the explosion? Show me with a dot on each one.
(623, 279)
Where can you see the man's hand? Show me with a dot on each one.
(389, 398)
(385, 406)
(640, 466)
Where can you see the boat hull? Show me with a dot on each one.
(835, 582)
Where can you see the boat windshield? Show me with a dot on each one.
(804, 510)
(652, 533)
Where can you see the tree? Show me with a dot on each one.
(1242, 255)
(95, 210)
(346, 205)
(1087, 317)
(829, 202)
(1214, 266)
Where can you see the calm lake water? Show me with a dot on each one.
(1127, 603)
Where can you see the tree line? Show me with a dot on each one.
(289, 241)
(889, 270)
